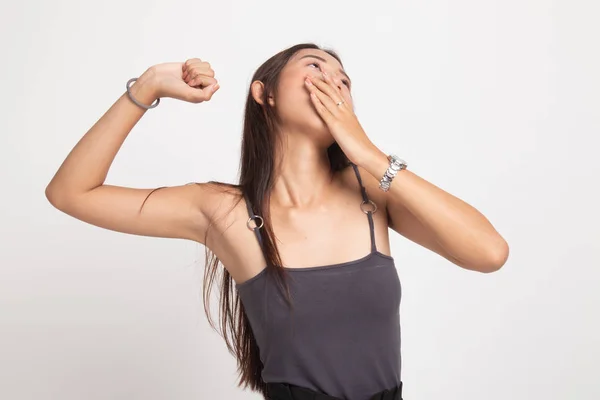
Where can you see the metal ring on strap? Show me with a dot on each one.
(251, 218)
(365, 202)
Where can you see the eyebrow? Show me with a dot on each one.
(325, 61)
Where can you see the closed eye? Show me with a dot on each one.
(344, 81)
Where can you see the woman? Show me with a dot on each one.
(309, 288)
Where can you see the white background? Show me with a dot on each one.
(494, 101)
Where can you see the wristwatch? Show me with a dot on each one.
(396, 164)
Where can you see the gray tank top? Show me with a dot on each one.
(343, 336)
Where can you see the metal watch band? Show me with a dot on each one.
(396, 164)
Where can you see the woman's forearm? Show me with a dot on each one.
(466, 236)
(88, 163)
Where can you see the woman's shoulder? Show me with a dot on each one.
(349, 179)
(217, 199)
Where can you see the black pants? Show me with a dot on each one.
(288, 391)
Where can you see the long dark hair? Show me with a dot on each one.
(257, 175)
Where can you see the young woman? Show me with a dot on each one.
(310, 291)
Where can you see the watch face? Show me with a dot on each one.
(396, 163)
(395, 159)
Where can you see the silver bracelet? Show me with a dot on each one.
(129, 82)
(396, 164)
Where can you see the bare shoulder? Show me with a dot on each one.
(371, 184)
(377, 196)
(217, 204)
(216, 195)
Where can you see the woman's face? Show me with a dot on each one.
(293, 103)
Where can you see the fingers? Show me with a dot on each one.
(196, 66)
(194, 62)
(333, 86)
(343, 90)
(200, 80)
(326, 92)
(200, 95)
(199, 77)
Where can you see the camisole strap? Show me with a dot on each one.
(257, 219)
(369, 213)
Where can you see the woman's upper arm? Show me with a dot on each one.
(400, 219)
(170, 212)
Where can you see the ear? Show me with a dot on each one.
(257, 89)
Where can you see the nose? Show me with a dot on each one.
(336, 78)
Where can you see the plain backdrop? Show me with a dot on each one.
(494, 101)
